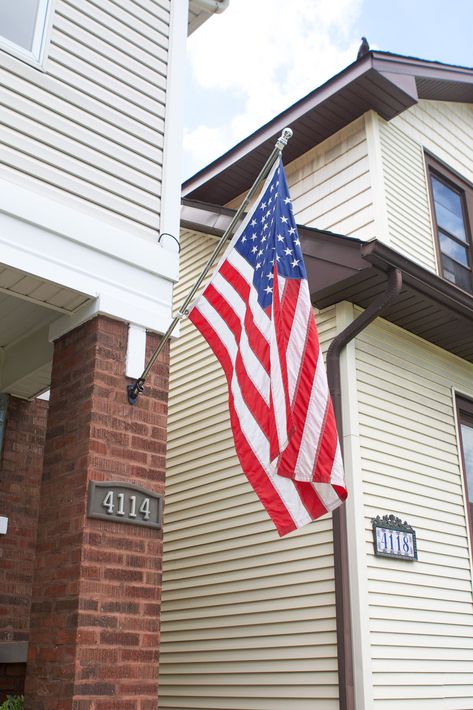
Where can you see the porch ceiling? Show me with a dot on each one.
(28, 305)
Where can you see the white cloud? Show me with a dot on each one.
(265, 55)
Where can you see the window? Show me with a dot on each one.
(465, 425)
(24, 26)
(452, 204)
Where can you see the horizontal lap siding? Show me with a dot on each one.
(330, 185)
(421, 615)
(91, 128)
(443, 129)
(248, 619)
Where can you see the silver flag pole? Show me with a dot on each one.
(138, 386)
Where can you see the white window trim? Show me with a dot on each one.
(41, 39)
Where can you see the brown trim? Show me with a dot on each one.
(386, 83)
(458, 184)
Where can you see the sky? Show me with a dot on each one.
(257, 58)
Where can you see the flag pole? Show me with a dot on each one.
(138, 386)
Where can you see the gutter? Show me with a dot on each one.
(340, 533)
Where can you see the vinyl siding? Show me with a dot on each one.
(443, 129)
(421, 614)
(248, 619)
(330, 184)
(90, 128)
(406, 196)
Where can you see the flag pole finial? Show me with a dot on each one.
(283, 139)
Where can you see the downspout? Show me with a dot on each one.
(340, 533)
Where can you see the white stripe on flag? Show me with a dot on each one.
(297, 339)
(337, 476)
(253, 366)
(327, 495)
(316, 409)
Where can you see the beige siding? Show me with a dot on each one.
(248, 619)
(406, 196)
(444, 130)
(330, 185)
(421, 613)
(90, 128)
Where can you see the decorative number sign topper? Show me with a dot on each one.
(394, 538)
(124, 503)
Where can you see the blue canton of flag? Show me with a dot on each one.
(272, 235)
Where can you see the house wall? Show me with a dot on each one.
(330, 185)
(89, 129)
(248, 619)
(443, 129)
(420, 613)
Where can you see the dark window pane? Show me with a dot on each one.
(457, 274)
(467, 441)
(453, 249)
(18, 21)
(448, 209)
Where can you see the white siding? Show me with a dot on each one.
(421, 613)
(444, 130)
(90, 129)
(248, 619)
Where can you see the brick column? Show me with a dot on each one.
(20, 479)
(94, 638)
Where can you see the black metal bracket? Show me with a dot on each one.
(134, 390)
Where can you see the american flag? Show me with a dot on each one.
(257, 317)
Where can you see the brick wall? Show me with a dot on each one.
(95, 617)
(20, 479)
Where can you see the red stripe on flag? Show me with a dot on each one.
(258, 342)
(306, 375)
(250, 393)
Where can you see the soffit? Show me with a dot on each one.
(385, 83)
(28, 306)
(197, 15)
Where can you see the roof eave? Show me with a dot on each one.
(388, 84)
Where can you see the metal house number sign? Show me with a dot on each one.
(394, 538)
(124, 503)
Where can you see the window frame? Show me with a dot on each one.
(41, 38)
(459, 185)
(464, 411)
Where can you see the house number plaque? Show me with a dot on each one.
(394, 538)
(124, 503)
